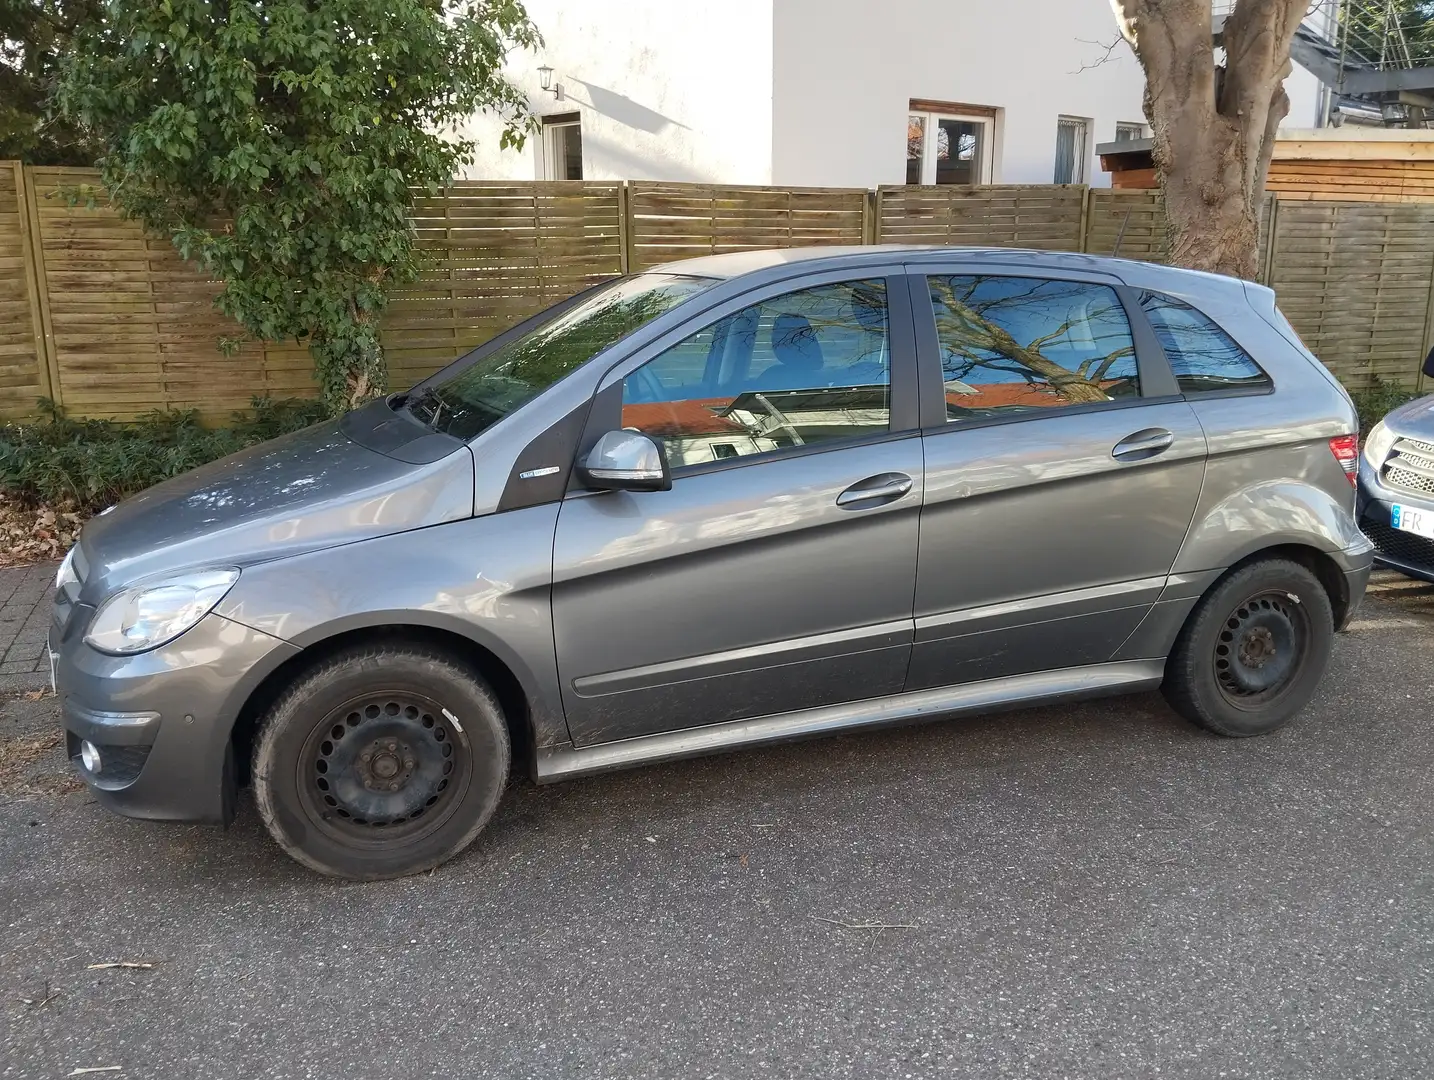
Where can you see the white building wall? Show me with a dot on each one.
(845, 71)
(667, 90)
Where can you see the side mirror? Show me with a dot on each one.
(1429, 364)
(626, 461)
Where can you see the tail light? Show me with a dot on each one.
(1345, 449)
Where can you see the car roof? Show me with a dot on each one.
(742, 263)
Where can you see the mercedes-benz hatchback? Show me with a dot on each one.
(736, 500)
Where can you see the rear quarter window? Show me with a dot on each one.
(1204, 358)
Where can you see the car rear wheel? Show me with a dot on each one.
(1253, 651)
(381, 761)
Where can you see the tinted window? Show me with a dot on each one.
(471, 398)
(795, 370)
(1203, 356)
(1010, 344)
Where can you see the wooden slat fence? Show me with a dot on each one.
(112, 323)
(23, 373)
(1049, 217)
(681, 221)
(1355, 279)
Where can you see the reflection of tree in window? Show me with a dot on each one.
(1203, 357)
(1011, 343)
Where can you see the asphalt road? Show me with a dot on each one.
(1090, 891)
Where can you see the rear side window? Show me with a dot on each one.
(1015, 344)
(1205, 358)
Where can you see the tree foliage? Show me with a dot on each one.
(278, 143)
(34, 34)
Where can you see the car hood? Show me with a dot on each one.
(315, 488)
(1414, 419)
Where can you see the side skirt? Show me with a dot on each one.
(1012, 692)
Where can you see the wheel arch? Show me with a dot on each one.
(529, 722)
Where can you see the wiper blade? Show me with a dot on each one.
(428, 402)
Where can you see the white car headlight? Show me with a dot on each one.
(1376, 446)
(147, 616)
(66, 574)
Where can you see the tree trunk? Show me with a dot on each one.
(351, 369)
(1213, 128)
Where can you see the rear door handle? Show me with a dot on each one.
(1143, 444)
(875, 490)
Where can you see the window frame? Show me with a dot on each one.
(1081, 159)
(605, 413)
(1138, 131)
(931, 113)
(1157, 380)
(548, 166)
(1136, 292)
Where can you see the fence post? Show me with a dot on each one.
(33, 252)
(624, 228)
(1421, 381)
(1085, 220)
(878, 207)
(1272, 221)
(869, 211)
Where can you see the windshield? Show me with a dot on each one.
(475, 397)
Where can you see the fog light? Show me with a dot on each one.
(90, 756)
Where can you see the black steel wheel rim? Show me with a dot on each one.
(384, 768)
(1261, 649)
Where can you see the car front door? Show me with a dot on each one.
(1063, 469)
(777, 573)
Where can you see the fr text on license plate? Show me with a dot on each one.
(1412, 519)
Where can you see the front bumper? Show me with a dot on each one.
(1402, 551)
(161, 720)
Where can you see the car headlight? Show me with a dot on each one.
(147, 616)
(1376, 446)
(66, 574)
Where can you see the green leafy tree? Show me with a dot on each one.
(278, 142)
(34, 34)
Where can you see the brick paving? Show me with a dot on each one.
(25, 618)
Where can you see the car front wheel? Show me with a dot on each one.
(380, 761)
(1253, 651)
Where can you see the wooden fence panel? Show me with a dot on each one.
(134, 326)
(681, 221)
(494, 255)
(1355, 280)
(1006, 216)
(1130, 224)
(24, 376)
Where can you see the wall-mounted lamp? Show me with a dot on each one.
(545, 80)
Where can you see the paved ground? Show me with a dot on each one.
(25, 618)
(1093, 891)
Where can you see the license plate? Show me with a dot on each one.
(1412, 520)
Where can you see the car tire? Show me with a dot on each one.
(380, 761)
(1253, 651)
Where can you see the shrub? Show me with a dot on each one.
(1378, 398)
(87, 465)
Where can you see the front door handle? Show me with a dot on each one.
(1143, 444)
(875, 490)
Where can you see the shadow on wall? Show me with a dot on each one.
(626, 111)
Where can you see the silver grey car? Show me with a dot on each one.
(741, 499)
(1396, 486)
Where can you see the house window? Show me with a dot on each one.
(1072, 138)
(562, 148)
(949, 144)
(1129, 132)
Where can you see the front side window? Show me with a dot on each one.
(795, 370)
(474, 397)
(1204, 358)
(1014, 344)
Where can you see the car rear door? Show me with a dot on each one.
(778, 572)
(1062, 470)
